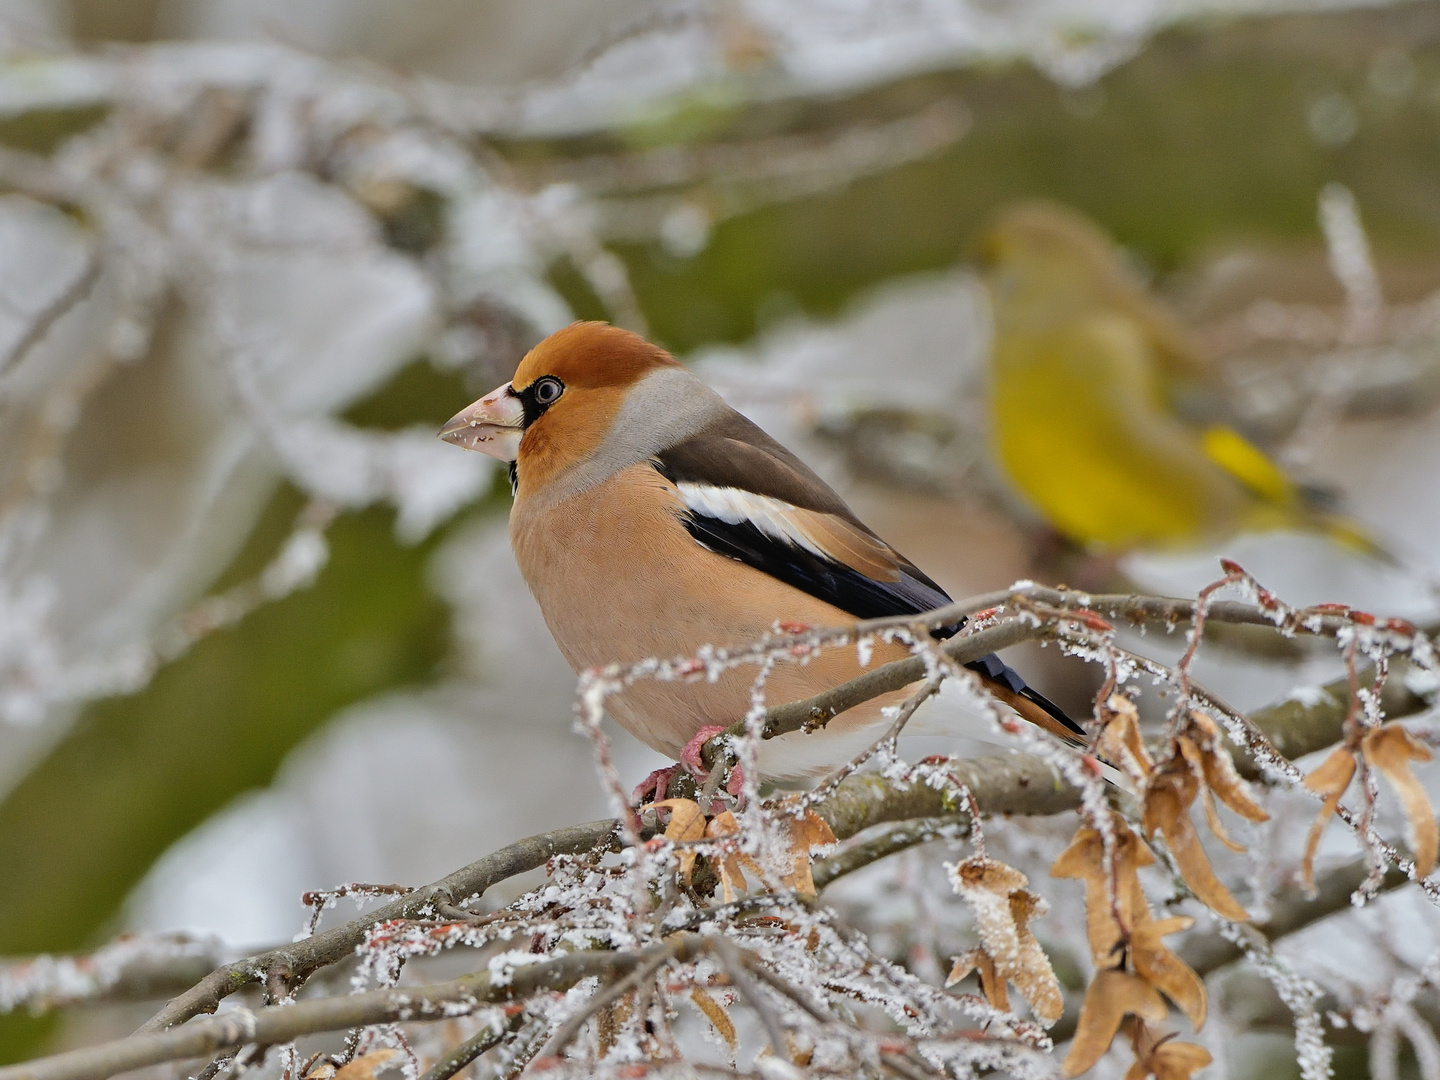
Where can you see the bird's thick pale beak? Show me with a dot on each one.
(493, 425)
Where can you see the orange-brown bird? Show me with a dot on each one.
(650, 518)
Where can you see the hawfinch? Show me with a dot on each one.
(650, 518)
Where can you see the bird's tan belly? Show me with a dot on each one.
(581, 559)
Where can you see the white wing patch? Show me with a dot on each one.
(772, 517)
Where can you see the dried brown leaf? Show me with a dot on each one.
(1195, 759)
(1167, 804)
(732, 878)
(965, 963)
(1121, 742)
(808, 827)
(1112, 996)
(800, 879)
(1330, 779)
(1084, 859)
(991, 984)
(1218, 769)
(722, 824)
(1032, 973)
(716, 1014)
(733, 866)
(1165, 971)
(802, 834)
(1391, 749)
(687, 822)
(988, 877)
(1171, 1060)
(366, 1066)
(1215, 825)
(1333, 775)
(1003, 908)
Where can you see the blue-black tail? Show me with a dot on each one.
(1005, 682)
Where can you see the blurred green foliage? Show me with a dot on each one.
(1205, 138)
(43, 130)
(137, 772)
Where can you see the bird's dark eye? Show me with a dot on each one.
(548, 390)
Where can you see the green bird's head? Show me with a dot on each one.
(1046, 264)
(1049, 268)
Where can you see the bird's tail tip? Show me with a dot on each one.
(1354, 537)
(1069, 729)
(1010, 687)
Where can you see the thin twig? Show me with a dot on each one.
(130, 969)
(735, 968)
(899, 838)
(566, 1032)
(483, 1040)
(765, 975)
(54, 311)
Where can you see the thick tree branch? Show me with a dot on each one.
(1289, 912)
(132, 968)
(1000, 784)
(297, 962)
(283, 1023)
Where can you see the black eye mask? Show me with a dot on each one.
(539, 396)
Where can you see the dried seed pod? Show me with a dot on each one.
(1003, 908)
(1108, 924)
(1167, 810)
(1329, 779)
(1391, 749)
(1165, 971)
(1110, 998)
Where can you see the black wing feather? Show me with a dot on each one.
(825, 579)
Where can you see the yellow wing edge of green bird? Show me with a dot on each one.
(1250, 465)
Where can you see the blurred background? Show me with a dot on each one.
(260, 632)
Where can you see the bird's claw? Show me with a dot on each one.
(690, 756)
(655, 786)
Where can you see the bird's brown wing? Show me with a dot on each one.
(748, 498)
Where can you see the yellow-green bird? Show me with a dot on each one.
(1083, 367)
